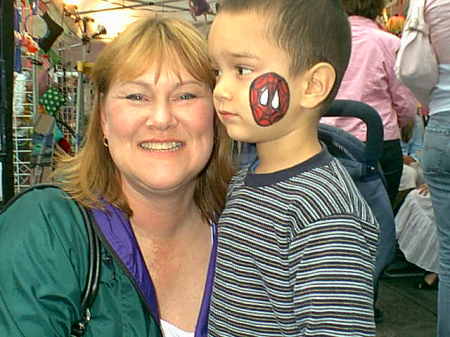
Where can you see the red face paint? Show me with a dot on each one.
(269, 98)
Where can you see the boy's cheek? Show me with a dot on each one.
(269, 98)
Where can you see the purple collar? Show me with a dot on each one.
(117, 230)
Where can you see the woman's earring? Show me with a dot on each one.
(105, 142)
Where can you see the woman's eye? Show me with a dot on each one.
(217, 72)
(187, 96)
(135, 97)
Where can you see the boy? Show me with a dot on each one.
(297, 241)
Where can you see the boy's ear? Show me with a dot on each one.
(318, 81)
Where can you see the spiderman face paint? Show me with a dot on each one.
(269, 98)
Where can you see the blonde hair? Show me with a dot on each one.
(91, 174)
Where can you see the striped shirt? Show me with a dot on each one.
(295, 255)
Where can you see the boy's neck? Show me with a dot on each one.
(281, 154)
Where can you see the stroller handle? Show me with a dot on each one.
(363, 111)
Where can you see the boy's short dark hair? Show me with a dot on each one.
(368, 8)
(310, 31)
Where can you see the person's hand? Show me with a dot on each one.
(423, 189)
(408, 160)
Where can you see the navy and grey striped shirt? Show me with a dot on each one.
(295, 256)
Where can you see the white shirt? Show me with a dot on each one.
(170, 330)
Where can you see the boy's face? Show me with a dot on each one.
(254, 96)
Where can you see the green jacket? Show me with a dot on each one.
(43, 268)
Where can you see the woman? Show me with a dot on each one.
(436, 151)
(153, 171)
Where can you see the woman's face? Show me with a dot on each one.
(159, 130)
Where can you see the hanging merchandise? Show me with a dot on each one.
(43, 29)
(24, 38)
(27, 41)
(52, 100)
(20, 88)
(53, 29)
(42, 148)
(33, 146)
(17, 38)
(34, 23)
(43, 141)
(61, 141)
(53, 57)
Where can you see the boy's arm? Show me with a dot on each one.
(332, 262)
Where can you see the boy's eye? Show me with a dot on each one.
(243, 71)
(217, 72)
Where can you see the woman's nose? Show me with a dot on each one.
(161, 116)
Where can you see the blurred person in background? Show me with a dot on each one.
(436, 150)
(370, 78)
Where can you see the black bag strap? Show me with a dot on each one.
(91, 287)
(92, 280)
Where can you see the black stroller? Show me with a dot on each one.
(361, 161)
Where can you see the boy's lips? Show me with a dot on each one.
(226, 114)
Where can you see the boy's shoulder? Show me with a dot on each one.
(247, 173)
(321, 170)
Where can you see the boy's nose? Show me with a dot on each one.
(221, 91)
(161, 116)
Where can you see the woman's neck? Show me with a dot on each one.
(164, 217)
(175, 242)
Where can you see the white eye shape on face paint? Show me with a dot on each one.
(264, 99)
(276, 100)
